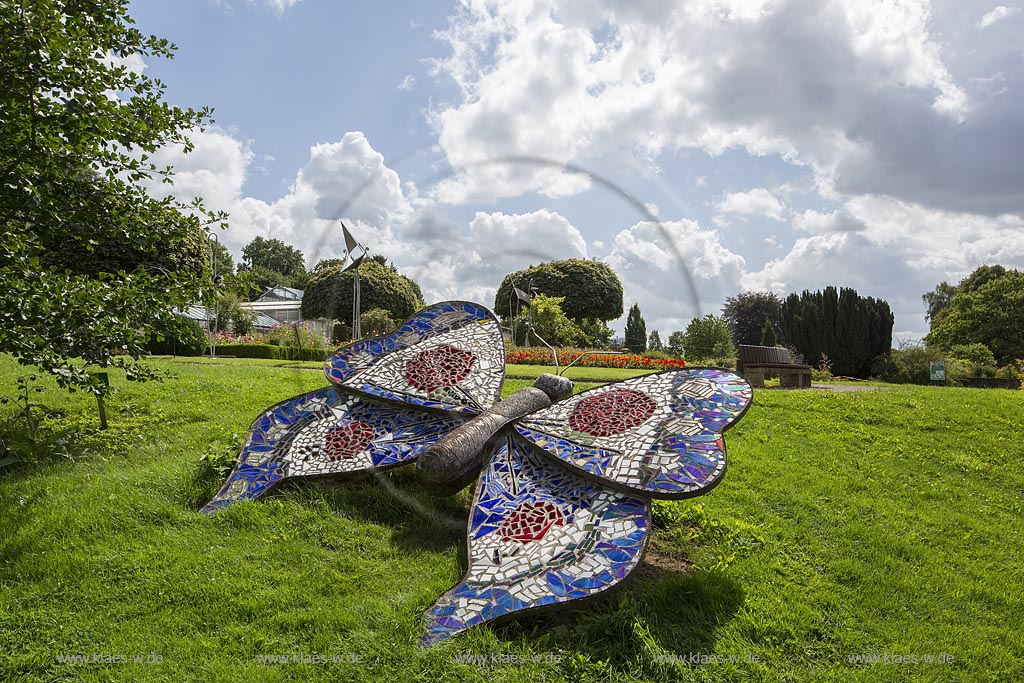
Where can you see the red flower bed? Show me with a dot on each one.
(543, 356)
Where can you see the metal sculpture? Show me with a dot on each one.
(350, 246)
(562, 504)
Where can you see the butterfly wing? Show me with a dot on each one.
(327, 433)
(448, 357)
(657, 435)
(538, 536)
(390, 398)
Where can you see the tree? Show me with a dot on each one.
(596, 333)
(231, 316)
(938, 300)
(329, 293)
(850, 329)
(549, 323)
(768, 337)
(271, 262)
(77, 132)
(974, 353)
(259, 279)
(172, 245)
(677, 343)
(746, 314)
(590, 289)
(376, 323)
(980, 277)
(273, 254)
(709, 337)
(654, 342)
(636, 330)
(223, 263)
(987, 308)
(324, 264)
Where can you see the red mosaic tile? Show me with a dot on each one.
(440, 367)
(530, 521)
(612, 412)
(345, 441)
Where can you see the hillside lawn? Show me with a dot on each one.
(883, 524)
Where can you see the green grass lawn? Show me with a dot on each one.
(882, 524)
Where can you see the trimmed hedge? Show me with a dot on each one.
(272, 352)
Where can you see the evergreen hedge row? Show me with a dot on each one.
(272, 352)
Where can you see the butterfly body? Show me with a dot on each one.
(562, 505)
(450, 463)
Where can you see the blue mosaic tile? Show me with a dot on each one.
(327, 433)
(550, 538)
(560, 511)
(642, 435)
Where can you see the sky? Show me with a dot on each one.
(701, 148)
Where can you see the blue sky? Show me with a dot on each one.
(781, 144)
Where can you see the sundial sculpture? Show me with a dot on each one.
(564, 484)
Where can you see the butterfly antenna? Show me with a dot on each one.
(553, 351)
(587, 353)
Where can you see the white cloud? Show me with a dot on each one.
(756, 202)
(133, 62)
(823, 223)
(451, 263)
(214, 170)
(849, 260)
(992, 85)
(348, 179)
(946, 243)
(657, 262)
(997, 14)
(859, 90)
(892, 250)
(278, 6)
(407, 83)
(342, 180)
(882, 247)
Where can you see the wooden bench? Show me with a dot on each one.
(758, 363)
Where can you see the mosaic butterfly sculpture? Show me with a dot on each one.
(562, 503)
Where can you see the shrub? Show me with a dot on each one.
(1014, 370)
(232, 338)
(726, 362)
(822, 373)
(376, 323)
(295, 334)
(342, 332)
(272, 352)
(908, 364)
(188, 340)
(976, 353)
(549, 322)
